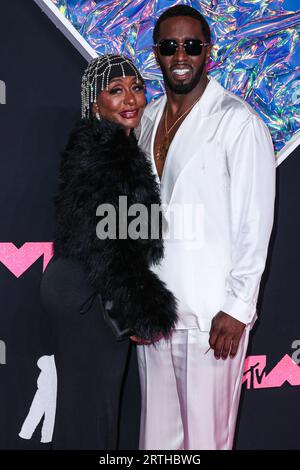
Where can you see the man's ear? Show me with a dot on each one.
(154, 48)
(207, 53)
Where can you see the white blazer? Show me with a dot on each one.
(221, 166)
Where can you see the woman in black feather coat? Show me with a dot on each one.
(97, 290)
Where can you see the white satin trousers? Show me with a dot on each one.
(189, 398)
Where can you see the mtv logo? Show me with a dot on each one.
(285, 371)
(18, 260)
(254, 50)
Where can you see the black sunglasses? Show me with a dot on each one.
(191, 46)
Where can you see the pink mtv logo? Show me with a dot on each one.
(18, 260)
(255, 374)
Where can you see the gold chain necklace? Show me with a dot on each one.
(164, 146)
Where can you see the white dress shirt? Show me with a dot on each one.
(218, 187)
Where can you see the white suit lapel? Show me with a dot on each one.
(149, 127)
(181, 150)
(185, 144)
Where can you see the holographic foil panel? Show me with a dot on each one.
(256, 52)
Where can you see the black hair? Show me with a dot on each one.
(182, 10)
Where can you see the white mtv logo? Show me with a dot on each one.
(2, 92)
(43, 405)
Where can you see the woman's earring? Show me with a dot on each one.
(96, 111)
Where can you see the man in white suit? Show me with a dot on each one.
(210, 150)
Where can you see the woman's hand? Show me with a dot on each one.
(138, 340)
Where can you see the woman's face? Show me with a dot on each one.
(123, 102)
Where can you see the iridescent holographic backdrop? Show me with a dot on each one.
(256, 51)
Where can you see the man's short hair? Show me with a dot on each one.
(182, 10)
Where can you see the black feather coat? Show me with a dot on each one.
(100, 163)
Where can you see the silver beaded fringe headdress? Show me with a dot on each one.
(98, 74)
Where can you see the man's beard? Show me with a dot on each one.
(183, 88)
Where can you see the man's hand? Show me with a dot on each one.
(225, 335)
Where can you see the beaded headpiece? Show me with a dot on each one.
(99, 73)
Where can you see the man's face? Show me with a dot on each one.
(181, 72)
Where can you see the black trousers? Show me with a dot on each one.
(90, 363)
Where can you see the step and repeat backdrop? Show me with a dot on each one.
(44, 48)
